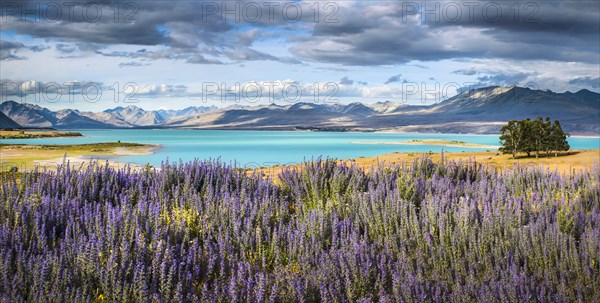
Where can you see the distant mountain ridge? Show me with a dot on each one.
(31, 115)
(482, 110)
(186, 112)
(26, 114)
(136, 116)
(6, 122)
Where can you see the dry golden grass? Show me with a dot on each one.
(564, 163)
(27, 157)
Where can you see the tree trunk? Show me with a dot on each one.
(555, 154)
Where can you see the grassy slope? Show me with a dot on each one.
(16, 134)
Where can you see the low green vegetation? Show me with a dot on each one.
(533, 136)
(93, 147)
(204, 231)
(21, 134)
(26, 156)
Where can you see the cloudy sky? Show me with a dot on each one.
(172, 54)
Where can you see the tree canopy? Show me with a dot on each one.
(533, 136)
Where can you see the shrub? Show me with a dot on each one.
(204, 231)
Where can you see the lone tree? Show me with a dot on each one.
(533, 136)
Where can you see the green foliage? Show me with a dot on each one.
(93, 147)
(533, 136)
(8, 134)
(323, 232)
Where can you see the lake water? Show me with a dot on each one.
(266, 148)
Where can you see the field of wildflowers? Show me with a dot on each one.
(204, 231)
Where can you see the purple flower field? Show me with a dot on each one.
(208, 232)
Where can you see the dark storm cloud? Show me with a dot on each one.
(37, 48)
(9, 50)
(190, 29)
(65, 48)
(132, 64)
(359, 33)
(77, 50)
(465, 72)
(554, 17)
(92, 21)
(395, 78)
(503, 79)
(199, 59)
(187, 55)
(346, 81)
(248, 54)
(389, 33)
(586, 82)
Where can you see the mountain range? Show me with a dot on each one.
(482, 110)
(6, 122)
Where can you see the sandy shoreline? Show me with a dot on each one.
(430, 142)
(146, 150)
(28, 157)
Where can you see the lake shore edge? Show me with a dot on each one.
(26, 157)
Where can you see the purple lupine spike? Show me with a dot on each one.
(205, 230)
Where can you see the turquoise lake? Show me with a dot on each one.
(266, 148)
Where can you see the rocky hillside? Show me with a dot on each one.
(6, 122)
(482, 110)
